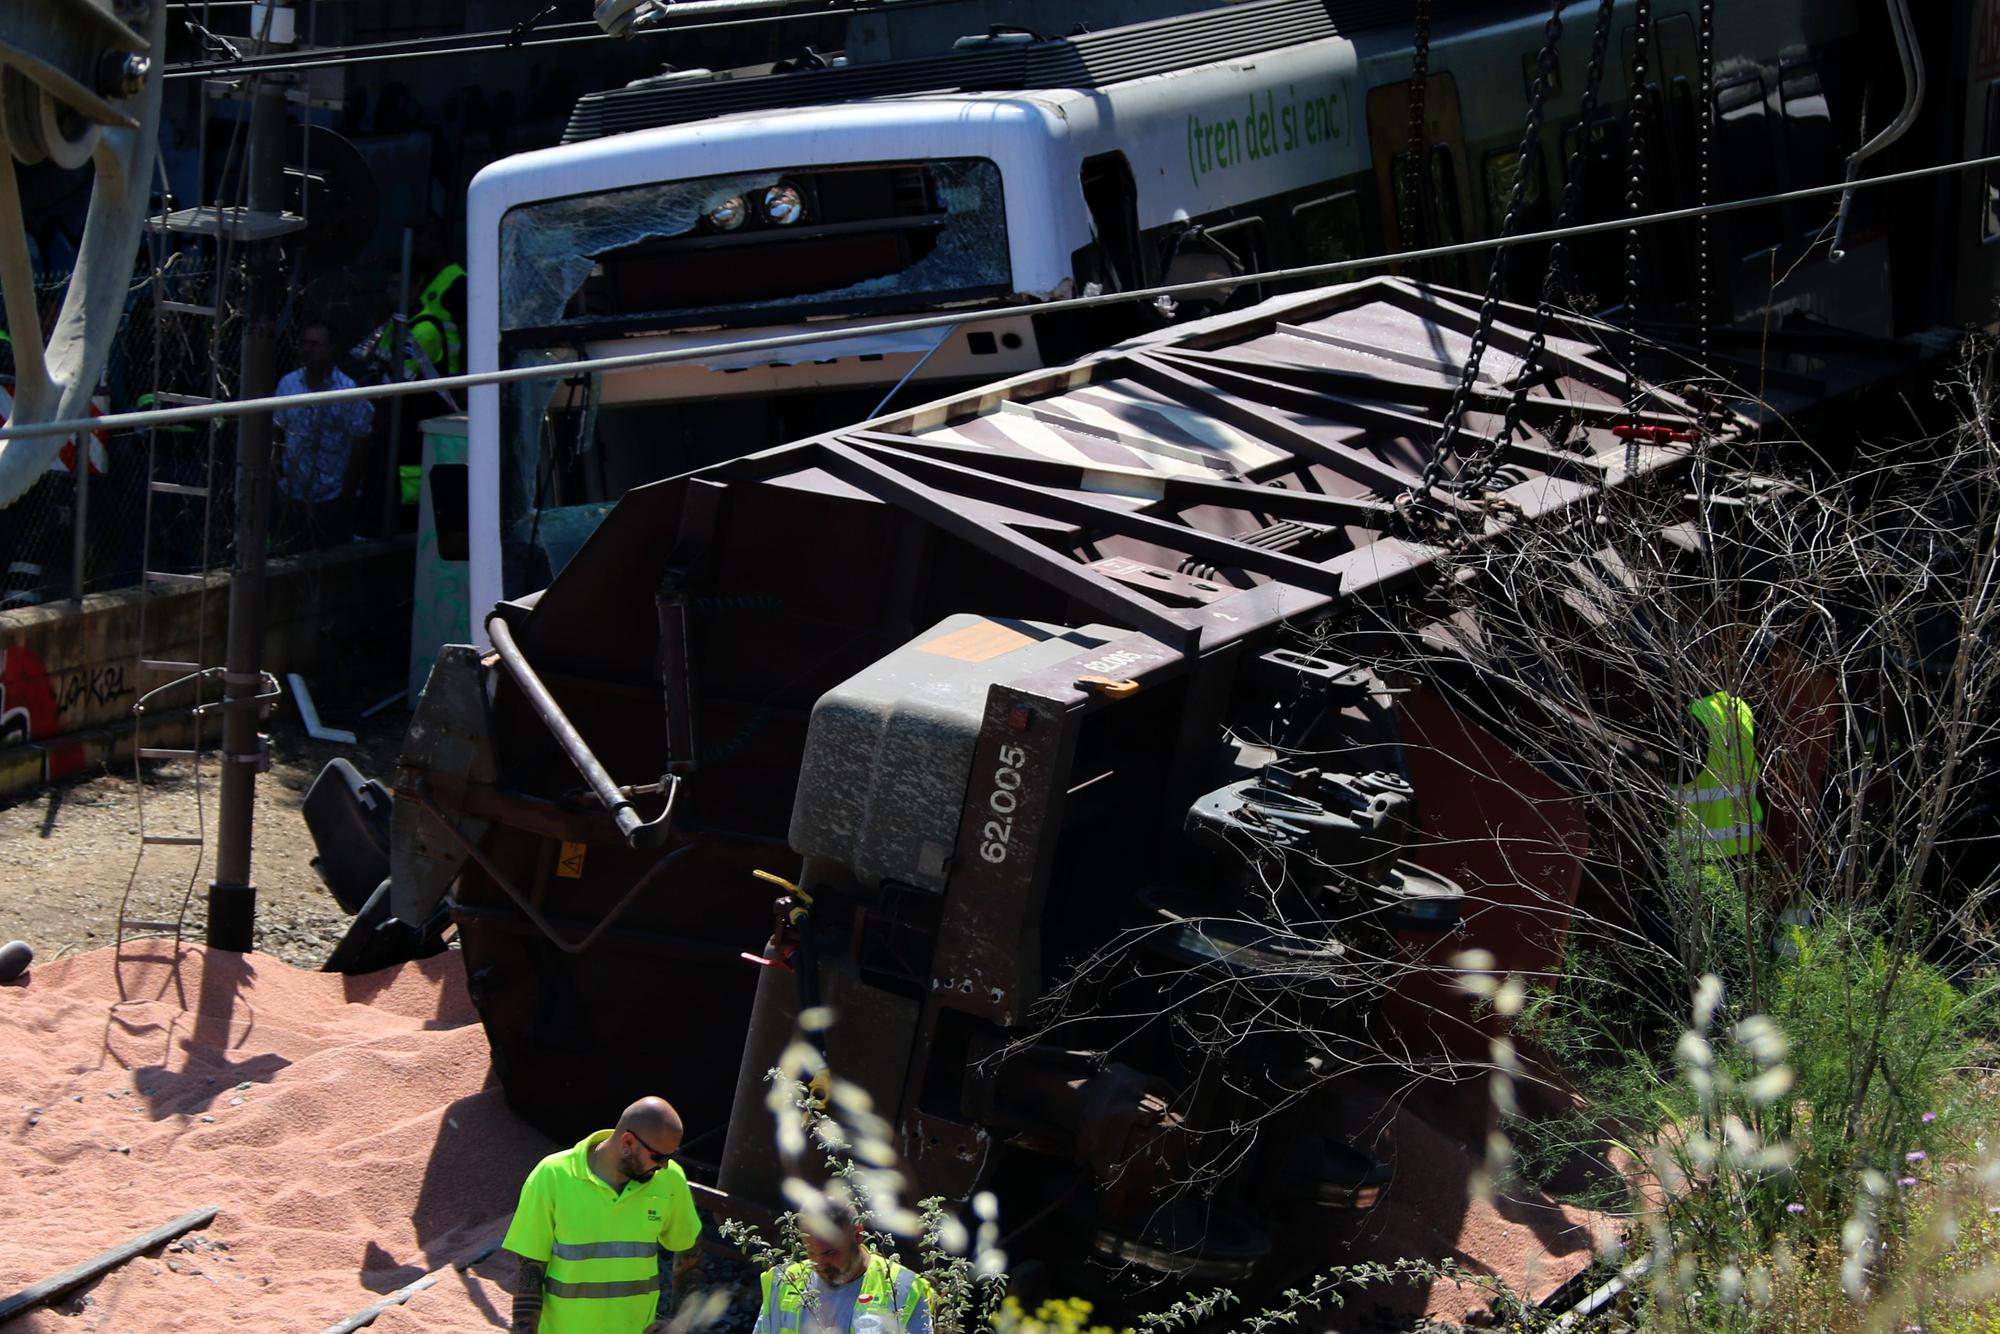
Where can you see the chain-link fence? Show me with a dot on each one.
(180, 337)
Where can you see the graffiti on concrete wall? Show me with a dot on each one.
(97, 686)
(30, 709)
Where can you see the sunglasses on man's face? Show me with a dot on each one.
(658, 1157)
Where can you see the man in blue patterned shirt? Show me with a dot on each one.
(321, 471)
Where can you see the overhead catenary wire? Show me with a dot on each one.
(504, 39)
(630, 361)
(361, 55)
(225, 70)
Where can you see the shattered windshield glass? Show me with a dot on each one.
(917, 247)
(549, 250)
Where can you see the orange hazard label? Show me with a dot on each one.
(976, 643)
(569, 863)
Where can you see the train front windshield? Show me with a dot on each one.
(704, 262)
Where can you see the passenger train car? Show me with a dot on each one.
(944, 163)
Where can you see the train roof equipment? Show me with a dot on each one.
(1005, 59)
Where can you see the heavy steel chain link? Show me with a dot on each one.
(1578, 162)
(1527, 161)
(1416, 159)
(1635, 206)
(1705, 157)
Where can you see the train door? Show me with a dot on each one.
(1445, 214)
(1112, 200)
(1116, 260)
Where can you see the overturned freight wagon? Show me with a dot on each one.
(1024, 698)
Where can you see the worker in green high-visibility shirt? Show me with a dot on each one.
(1721, 812)
(592, 1224)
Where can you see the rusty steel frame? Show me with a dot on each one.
(1042, 515)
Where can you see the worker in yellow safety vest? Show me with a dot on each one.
(592, 1222)
(1720, 809)
(433, 345)
(434, 329)
(843, 1287)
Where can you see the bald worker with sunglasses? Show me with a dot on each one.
(592, 1222)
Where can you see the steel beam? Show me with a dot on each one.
(1186, 389)
(1222, 369)
(1176, 492)
(1106, 596)
(1072, 508)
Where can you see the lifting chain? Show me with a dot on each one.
(1416, 160)
(1635, 205)
(1705, 156)
(1527, 161)
(1578, 162)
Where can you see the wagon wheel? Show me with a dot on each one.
(79, 83)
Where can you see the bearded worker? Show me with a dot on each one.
(591, 1226)
(842, 1287)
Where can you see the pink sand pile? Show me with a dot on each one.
(345, 1127)
(1521, 1237)
(350, 1134)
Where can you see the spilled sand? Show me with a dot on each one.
(346, 1128)
(351, 1135)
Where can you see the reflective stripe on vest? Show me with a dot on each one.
(885, 1282)
(1721, 807)
(635, 1287)
(593, 1272)
(605, 1250)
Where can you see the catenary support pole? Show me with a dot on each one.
(399, 339)
(232, 896)
(79, 547)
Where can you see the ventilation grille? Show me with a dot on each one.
(1090, 60)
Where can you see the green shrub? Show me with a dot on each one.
(1766, 1138)
(1838, 990)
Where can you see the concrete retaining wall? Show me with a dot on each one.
(69, 674)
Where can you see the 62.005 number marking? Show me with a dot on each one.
(997, 838)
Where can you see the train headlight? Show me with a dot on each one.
(783, 204)
(728, 215)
